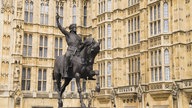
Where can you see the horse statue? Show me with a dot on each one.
(81, 66)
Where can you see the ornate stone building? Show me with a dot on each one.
(145, 59)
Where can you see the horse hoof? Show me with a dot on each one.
(83, 106)
(60, 103)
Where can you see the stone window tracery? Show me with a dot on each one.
(133, 70)
(28, 11)
(42, 79)
(156, 67)
(27, 45)
(165, 15)
(85, 16)
(43, 46)
(60, 11)
(44, 12)
(26, 79)
(58, 46)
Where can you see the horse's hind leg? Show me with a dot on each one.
(58, 81)
(77, 76)
(67, 80)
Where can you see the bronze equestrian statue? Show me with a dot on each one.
(76, 63)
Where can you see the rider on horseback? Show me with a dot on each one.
(74, 43)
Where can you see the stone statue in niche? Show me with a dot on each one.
(18, 38)
(16, 72)
(175, 90)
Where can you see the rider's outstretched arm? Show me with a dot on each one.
(65, 32)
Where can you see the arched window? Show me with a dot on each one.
(99, 8)
(109, 74)
(165, 15)
(138, 64)
(109, 68)
(155, 13)
(166, 60)
(151, 58)
(108, 36)
(167, 73)
(152, 75)
(43, 46)
(27, 45)
(166, 25)
(31, 12)
(129, 26)
(85, 16)
(159, 11)
(59, 9)
(165, 10)
(61, 15)
(28, 11)
(44, 15)
(74, 15)
(166, 56)
(104, 6)
(58, 46)
(109, 5)
(129, 3)
(109, 30)
(133, 65)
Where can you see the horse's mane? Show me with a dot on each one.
(88, 41)
(84, 52)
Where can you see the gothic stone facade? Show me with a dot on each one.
(145, 59)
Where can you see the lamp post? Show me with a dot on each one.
(190, 103)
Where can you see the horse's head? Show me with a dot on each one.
(93, 47)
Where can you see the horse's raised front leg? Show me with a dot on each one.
(77, 77)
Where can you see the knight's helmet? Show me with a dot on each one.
(71, 26)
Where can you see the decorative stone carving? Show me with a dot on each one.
(139, 91)
(17, 95)
(16, 72)
(175, 90)
(18, 38)
(7, 6)
(17, 101)
(19, 8)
